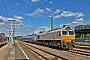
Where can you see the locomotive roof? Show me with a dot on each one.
(57, 29)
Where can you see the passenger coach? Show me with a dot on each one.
(2, 39)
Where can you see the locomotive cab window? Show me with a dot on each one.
(64, 33)
(71, 33)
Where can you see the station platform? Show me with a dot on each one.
(11, 53)
(19, 53)
(15, 52)
(7, 53)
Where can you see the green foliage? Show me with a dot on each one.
(88, 35)
(17, 38)
(82, 35)
(77, 35)
(82, 43)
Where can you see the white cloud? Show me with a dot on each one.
(77, 15)
(57, 11)
(65, 24)
(51, 2)
(1, 23)
(66, 14)
(80, 14)
(25, 14)
(75, 22)
(19, 25)
(17, 3)
(48, 9)
(18, 17)
(43, 28)
(9, 19)
(34, 1)
(27, 1)
(0, 1)
(80, 19)
(7, 30)
(6, 20)
(3, 18)
(58, 16)
(69, 14)
(37, 12)
(4, 23)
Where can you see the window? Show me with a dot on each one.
(59, 33)
(64, 33)
(71, 33)
(38, 36)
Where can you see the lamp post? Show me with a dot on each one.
(51, 18)
(11, 30)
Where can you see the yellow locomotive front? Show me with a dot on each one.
(67, 38)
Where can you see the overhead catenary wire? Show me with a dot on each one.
(79, 5)
(73, 4)
(41, 8)
(76, 4)
(82, 6)
(6, 8)
(84, 3)
(45, 4)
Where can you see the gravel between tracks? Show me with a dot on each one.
(62, 53)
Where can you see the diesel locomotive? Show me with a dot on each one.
(61, 37)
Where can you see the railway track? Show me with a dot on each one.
(42, 53)
(80, 52)
(82, 47)
(45, 53)
(2, 45)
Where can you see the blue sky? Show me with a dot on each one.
(33, 14)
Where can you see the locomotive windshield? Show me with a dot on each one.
(64, 33)
(71, 33)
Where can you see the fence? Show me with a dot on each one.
(82, 41)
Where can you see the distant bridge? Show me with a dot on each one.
(82, 29)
